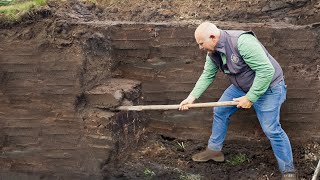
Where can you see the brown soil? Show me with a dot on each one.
(162, 157)
(289, 11)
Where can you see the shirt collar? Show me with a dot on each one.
(221, 43)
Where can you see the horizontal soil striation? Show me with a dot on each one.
(63, 77)
(166, 60)
(63, 67)
(52, 77)
(161, 157)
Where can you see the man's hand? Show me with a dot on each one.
(183, 105)
(244, 102)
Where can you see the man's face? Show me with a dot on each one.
(206, 43)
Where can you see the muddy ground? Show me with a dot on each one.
(160, 157)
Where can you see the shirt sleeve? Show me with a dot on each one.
(209, 73)
(253, 54)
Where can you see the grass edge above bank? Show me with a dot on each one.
(15, 11)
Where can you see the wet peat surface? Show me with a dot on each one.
(161, 157)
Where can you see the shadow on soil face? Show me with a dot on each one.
(161, 157)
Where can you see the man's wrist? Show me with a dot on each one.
(251, 99)
(191, 97)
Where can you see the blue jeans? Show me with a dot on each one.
(267, 109)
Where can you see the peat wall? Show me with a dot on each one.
(58, 79)
(166, 59)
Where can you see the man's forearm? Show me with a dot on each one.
(206, 78)
(201, 85)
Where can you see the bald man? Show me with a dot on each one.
(256, 80)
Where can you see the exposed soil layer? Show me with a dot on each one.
(289, 11)
(157, 156)
(161, 157)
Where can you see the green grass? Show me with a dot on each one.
(148, 173)
(181, 146)
(92, 1)
(6, 2)
(13, 10)
(188, 176)
(238, 160)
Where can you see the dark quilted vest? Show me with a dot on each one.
(240, 74)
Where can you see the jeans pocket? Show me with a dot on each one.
(277, 89)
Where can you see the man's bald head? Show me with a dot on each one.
(205, 30)
(207, 36)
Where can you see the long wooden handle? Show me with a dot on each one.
(176, 106)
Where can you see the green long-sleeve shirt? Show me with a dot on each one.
(253, 54)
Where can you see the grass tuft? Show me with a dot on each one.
(238, 160)
(181, 146)
(149, 173)
(6, 2)
(13, 10)
(188, 176)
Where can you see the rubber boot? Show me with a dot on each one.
(207, 155)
